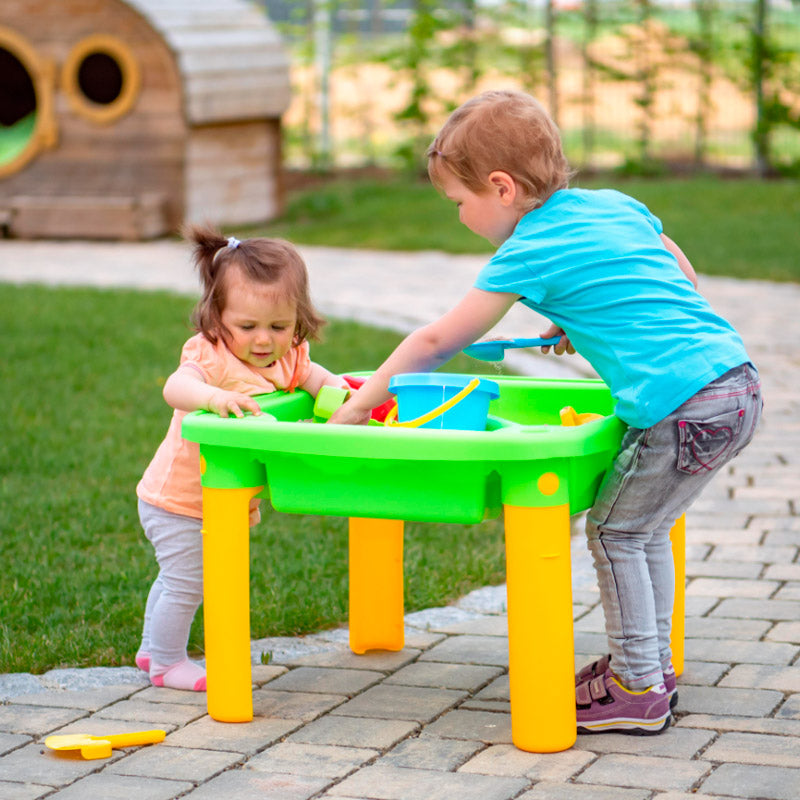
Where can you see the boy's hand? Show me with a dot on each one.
(564, 346)
(349, 414)
(225, 403)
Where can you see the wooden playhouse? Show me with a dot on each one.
(123, 118)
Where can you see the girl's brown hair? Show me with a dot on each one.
(269, 261)
(502, 130)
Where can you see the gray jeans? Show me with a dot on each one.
(656, 475)
(177, 591)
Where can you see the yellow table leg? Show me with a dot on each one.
(226, 602)
(541, 651)
(376, 584)
(678, 537)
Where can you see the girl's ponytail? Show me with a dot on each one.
(208, 243)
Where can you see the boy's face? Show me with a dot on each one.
(491, 214)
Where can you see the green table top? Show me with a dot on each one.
(414, 473)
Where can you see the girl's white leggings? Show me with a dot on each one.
(178, 590)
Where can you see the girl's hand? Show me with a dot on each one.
(564, 346)
(225, 403)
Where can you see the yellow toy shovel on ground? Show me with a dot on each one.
(100, 746)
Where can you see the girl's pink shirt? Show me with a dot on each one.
(172, 479)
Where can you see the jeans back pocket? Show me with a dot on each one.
(706, 444)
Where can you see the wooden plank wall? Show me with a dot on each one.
(231, 175)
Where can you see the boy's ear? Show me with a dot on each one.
(504, 186)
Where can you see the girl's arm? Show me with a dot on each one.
(683, 262)
(186, 390)
(319, 377)
(427, 348)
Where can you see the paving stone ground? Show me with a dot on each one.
(432, 722)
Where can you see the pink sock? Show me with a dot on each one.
(183, 675)
(143, 661)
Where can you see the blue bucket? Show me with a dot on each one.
(418, 393)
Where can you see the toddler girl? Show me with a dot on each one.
(253, 321)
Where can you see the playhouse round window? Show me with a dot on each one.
(26, 119)
(17, 106)
(101, 78)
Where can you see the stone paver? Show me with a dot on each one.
(738, 780)
(703, 673)
(430, 752)
(432, 722)
(207, 733)
(467, 649)
(485, 726)
(756, 676)
(755, 748)
(547, 790)
(736, 702)
(505, 759)
(294, 705)
(716, 628)
(23, 791)
(318, 679)
(35, 720)
(649, 772)
(753, 652)
(674, 743)
(316, 760)
(401, 702)
(175, 763)
(444, 676)
(355, 732)
(253, 785)
(122, 787)
(396, 783)
(780, 726)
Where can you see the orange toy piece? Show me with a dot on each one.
(570, 417)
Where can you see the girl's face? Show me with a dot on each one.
(259, 319)
(491, 214)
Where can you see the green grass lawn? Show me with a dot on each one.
(743, 228)
(83, 414)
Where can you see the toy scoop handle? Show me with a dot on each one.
(136, 738)
(494, 349)
(537, 342)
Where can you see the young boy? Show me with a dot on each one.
(622, 294)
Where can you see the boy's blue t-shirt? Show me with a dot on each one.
(593, 263)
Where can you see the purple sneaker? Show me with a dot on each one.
(600, 667)
(604, 705)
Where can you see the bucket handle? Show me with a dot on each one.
(429, 415)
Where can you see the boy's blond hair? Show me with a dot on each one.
(502, 130)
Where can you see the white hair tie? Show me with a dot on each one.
(233, 242)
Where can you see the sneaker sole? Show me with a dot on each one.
(630, 727)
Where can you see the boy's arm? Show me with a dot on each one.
(319, 377)
(683, 261)
(186, 390)
(427, 348)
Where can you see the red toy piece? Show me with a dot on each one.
(379, 412)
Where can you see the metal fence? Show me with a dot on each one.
(632, 83)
